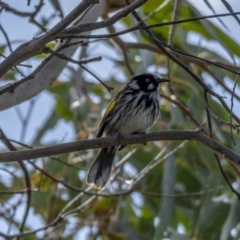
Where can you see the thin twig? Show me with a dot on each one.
(121, 45)
(213, 11)
(6, 37)
(27, 181)
(229, 8)
(18, 191)
(162, 46)
(235, 126)
(75, 30)
(220, 82)
(30, 15)
(215, 155)
(95, 76)
(180, 195)
(27, 119)
(30, 48)
(12, 174)
(175, 16)
(185, 109)
(64, 57)
(53, 158)
(157, 160)
(232, 104)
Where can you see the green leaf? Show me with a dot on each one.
(2, 48)
(62, 108)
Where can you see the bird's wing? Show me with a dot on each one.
(106, 116)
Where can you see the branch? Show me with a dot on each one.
(185, 109)
(197, 135)
(205, 96)
(74, 30)
(183, 56)
(49, 71)
(30, 48)
(108, 22)
(64, 57)
(10, 146)
(162, 46)
(179, 195)
(229, 8)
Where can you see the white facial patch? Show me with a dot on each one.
(150, 86)
(155, 76)
(134, 85)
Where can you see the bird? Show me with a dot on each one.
(132, 111)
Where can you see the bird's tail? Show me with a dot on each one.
(99, 172)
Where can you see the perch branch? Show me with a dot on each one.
(197, 135)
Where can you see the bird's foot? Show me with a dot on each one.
(119, 137)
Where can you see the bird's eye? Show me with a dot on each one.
(147, 79)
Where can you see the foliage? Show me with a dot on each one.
(184, 196)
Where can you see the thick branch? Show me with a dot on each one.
(108, 22)
(50, 68)
(48, 71)
(114, 141)
(30, 48)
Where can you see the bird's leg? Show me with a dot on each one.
(139, 132)
(119, 137)
(123, 146)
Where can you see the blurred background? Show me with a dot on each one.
(176, 190)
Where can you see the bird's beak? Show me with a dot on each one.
(161, 80)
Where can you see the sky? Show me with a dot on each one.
(44, 102)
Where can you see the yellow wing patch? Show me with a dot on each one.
(107, 113)
(109, 109)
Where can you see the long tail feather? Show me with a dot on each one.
(99, 172)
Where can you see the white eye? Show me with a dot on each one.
(147, 80)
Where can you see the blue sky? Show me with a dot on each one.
(20, 30)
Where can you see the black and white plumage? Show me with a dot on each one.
(133, 110)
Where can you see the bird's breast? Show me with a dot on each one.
(135, 113)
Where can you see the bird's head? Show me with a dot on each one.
(146, 82)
